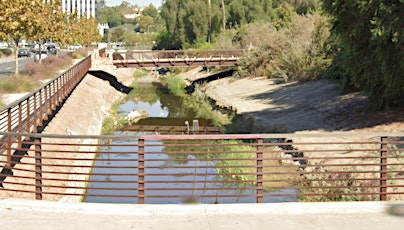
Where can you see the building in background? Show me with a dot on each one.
(84, 8)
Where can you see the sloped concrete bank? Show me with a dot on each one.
(82, 114)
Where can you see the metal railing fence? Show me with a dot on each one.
(206, 168)
(169, 58)
(28, 113)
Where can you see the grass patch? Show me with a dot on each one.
(18, 84)
(138, 73)
(34, 74)
(198, 101)
(176, 85)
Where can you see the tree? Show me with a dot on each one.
(372, 50)
(53, 23)
(196, 23)
(173, 12)
(110, 15)
(82, 30)
(144, 23)
(21, 19)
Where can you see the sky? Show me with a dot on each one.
(156, 3)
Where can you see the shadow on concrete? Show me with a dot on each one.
(17, 155)
(15, 159)
(320, 105)
(216, 76)
(113, 81)
(396, 210)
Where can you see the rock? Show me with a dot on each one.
(135, 115)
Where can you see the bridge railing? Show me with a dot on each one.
(28, 113)
(161, 58)
(207, 168)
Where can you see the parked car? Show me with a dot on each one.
(32, 49)
(3, 45)
(40, 55)
(52, 49)
(75, 47)
(24, 52)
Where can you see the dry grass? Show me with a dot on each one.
(47, 68)
(293, 53)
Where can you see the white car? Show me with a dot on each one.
(44, 55)
(75, 47)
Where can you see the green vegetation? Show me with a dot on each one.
(139, 32)
(337, 187)
(35, 74)
(18, 85)
(176, 85)
(369, 36)
(358, 42)
(294, 53)
(198, 101)
(5, 52)
(235, 162)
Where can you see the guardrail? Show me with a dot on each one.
(169, 58)
(28, 113)
(206, 168)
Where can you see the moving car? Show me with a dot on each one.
(24, 52)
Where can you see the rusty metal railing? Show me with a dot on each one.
(206, 168)
(169, 58)
(28, 113)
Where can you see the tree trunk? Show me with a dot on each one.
(16, 57)
(223, 17)
(209, 22)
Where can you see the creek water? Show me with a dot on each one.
(158, 105)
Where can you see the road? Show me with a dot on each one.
(7, 65)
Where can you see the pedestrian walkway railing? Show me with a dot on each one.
(205, 168)
(170, 58)
(27, 114)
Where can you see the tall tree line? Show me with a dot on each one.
(371, 49)
(192, 22)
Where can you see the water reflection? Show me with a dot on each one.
(201, 174)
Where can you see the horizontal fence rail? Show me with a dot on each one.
(169, 58)
(28, 113)
(206, 168)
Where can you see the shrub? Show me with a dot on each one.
(176, 85)
(18, 84)
(49, 67)
(294, 53)
(79, 54)
(6, 52)
(33, 74)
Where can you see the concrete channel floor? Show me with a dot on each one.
(28, 214)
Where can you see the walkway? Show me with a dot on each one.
(24, 214)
